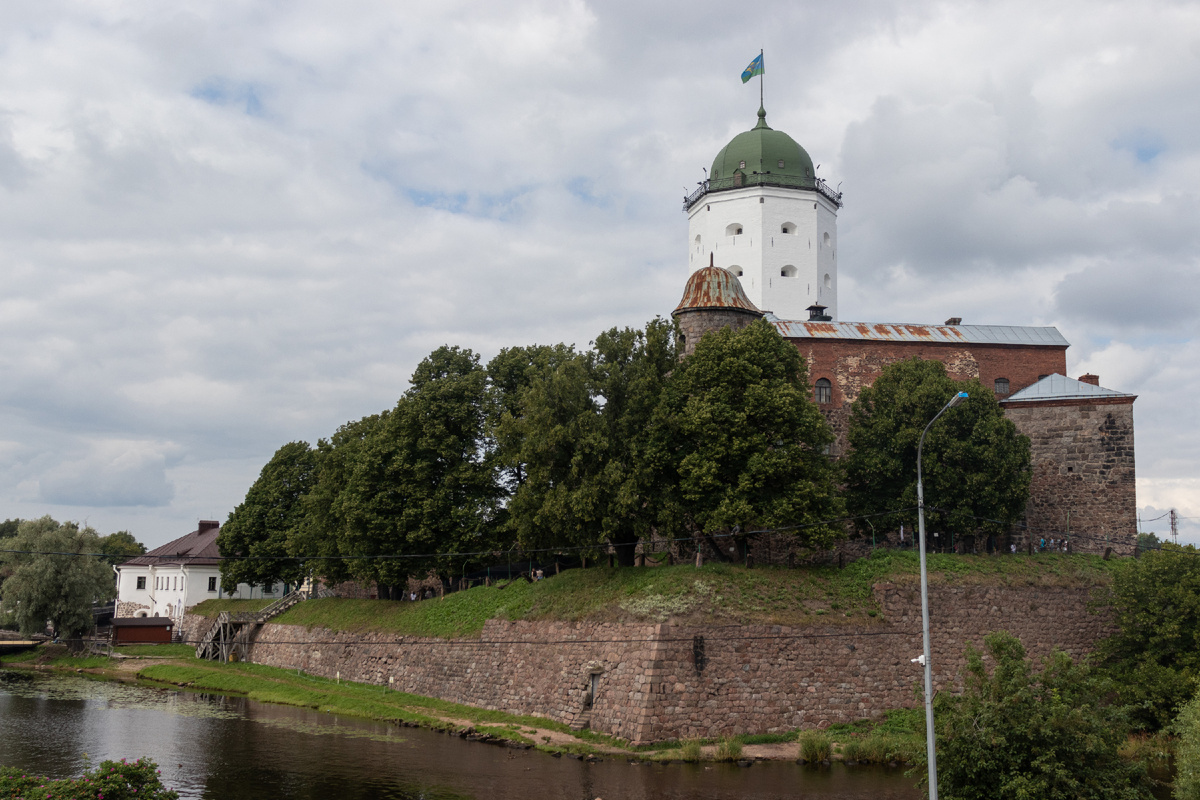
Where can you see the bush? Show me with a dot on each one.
(112, 780)
(1017, 734)
(729, 750)
(691, 750)
(815, 746)
(1187, 753)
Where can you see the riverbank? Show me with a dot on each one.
(174, 666)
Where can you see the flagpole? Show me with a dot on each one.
(763, 65)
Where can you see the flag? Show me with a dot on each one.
(755, 68)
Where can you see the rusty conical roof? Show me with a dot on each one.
(714, 287)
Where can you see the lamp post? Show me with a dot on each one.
(930, 750)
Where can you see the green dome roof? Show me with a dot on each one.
(762, 151)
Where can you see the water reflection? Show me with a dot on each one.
(212, 746)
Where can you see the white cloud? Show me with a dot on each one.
(230, 226)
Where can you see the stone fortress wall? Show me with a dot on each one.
(658, 682)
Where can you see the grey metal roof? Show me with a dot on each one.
(908, 332)
(1060, 387)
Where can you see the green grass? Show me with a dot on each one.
(816, 746)
(286, 687)
(712, 594)
(157, 650)
(211, 608)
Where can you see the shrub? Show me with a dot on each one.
(691, 750)
(1187, 754)
(729, 750)
(112, 780)
(815, 746)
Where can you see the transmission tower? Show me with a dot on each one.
(1174, 527)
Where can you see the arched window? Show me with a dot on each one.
(825, 239)
(828, 281)
(787, 272)
(733, 230)
(736, 270)
(1001, 386)
(787, 227)
(824, 392)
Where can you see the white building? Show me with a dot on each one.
(169, 580)
(765, 216)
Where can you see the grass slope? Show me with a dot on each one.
(719, 594)
(211, 608)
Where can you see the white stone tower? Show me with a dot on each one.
(765, 216)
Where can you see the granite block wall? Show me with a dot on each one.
(665, 681)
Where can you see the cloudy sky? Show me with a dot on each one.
(238, 224)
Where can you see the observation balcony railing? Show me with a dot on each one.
(741, 181)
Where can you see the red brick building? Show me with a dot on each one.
(1081, 435)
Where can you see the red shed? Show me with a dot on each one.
(141, 630)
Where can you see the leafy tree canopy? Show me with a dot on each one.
(1018, 735)
(581, 434)
(422, 484)
(119, 547)
(740, 443)
(976, 465)
(257, 538)
(1187, 753)
(58, 588)
(9, 528)
(1155, 653)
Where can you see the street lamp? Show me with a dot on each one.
(930, 750)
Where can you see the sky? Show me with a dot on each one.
(233, 225)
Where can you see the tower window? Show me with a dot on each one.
(734, 230)
(824, 391)
(828, 281)
(736, 270)
(1001, 386)
(788, 271)
(825, 239)
(787, 227)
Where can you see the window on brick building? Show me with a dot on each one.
(1001, 385)
(824, 393)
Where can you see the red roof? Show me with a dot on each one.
(198, 547)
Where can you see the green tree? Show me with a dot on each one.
(257, 541)
(119, 547)
(1187, 752)
(321, 534)
(581, 436)
(976, 464)
(1148, 541)
(1020, 735)
(740, 444)
(50, 581)
(1154, 656)
(422, 485)
(9, 528)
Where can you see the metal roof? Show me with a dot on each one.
(198, 547)
(714, 287)
(908, 332)
(1060, 387)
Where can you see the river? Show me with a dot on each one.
(230, 748)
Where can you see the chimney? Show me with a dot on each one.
(954, 321)
(1094, 380)
(208, 525)
(816, 313)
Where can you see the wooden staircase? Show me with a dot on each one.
(230, 636)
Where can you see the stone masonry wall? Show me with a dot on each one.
(694, 323)
(1083, 466)
(748, 679)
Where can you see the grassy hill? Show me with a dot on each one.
(720, 594)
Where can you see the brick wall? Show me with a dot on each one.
(852, 365)
(1083, 465)
(751, 678)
